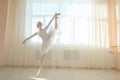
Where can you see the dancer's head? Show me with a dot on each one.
(39, 25)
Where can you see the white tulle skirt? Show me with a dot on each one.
(46, 45)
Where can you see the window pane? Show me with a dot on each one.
(66, 30)
(81, 31)
(43, 8)
(34, 28)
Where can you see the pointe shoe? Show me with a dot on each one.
(57, 14)
(38, 75)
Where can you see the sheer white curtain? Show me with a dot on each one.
(15, 25)
(3, 14)
(81, 41)
(118, 34)
(118, 20)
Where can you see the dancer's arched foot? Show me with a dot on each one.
(38, 75)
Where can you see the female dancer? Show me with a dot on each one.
(47, 39)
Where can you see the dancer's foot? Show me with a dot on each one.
(38, 74)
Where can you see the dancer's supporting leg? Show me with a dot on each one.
(42, 61)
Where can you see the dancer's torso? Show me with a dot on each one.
(45, 35)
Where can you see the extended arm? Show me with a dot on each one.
(56, 25)
(29, 37)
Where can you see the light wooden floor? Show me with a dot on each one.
(59, 74)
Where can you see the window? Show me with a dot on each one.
(80, 23)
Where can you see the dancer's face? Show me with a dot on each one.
(39, 25)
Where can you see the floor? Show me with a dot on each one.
(58, 74)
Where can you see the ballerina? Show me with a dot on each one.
(47, 39)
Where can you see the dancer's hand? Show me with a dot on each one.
(24, 42)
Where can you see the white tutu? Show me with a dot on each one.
(45, 47)
(47, 39)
